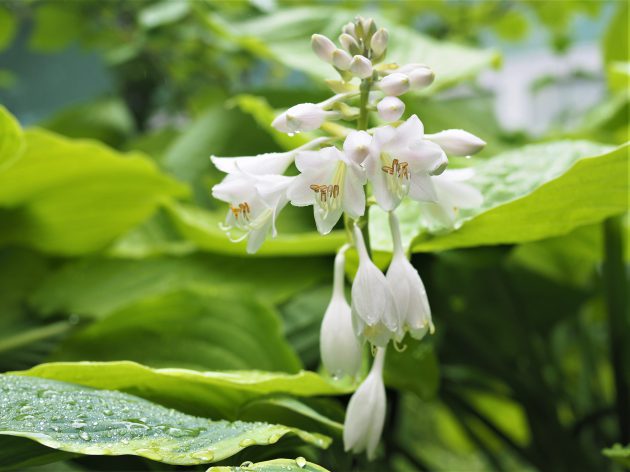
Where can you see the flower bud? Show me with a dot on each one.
(374, 314)
(357, 145)
(421, 77)
(339, 347)
(394, 84)
(361, 67)
(302, 117)
(369, 28)
(378, 43)
(457, 142)
(409, 292)
(349, 28)
(349, 43)
(323, 47)
(341, 59)
(365, 416)
(390, 108)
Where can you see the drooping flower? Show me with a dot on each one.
(339, 347)
(374, 314)
(330, 181)
(255, 202)
(365, 416)
(409, 292)
(269, 163)
(452, 194)
(457, 142)
(401, 163)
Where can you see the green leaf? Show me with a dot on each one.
(95, 287)
(8, 27)
(533, 193)
(217, 394)
(82, 420)
(11, 139)
(202, 228)
(299, 464)
(163, 13)
(619, 454)
(73, 197)
(56, 26)
(285, 36)
(615, 47)
(415, 369)
(211, 330)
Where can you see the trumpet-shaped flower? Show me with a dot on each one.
(408, 289)
(401, 162)
(331, 182)
(374, 312)
(339, 347)
(269, 163)
(255, 202)
(452, 194)
(365, 416)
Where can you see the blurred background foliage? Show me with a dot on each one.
(110, 250)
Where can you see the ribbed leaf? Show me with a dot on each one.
(299, 464)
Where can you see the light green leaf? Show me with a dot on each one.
(299, 464)
(56, 26)
(82, 420)
(11, 139)
(202, 228)
(162, 13)
(96, 287)
(533, 193)
(415, 369)
(619, 454)
(286, 34)
(217, 394)
(201, 329)
(72, 196)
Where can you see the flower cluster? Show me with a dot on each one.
(341, 175)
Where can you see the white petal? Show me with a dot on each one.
(462, 195)
(457, 142)
(410, 132)
(340, 349)
(356, 146)
(270, 163)
(422, 189)
(384, 197)
(353, 198)
(390, 108)
(424, 156)
(326, 220)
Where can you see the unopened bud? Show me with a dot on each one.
(361, 67)
(302, 117)
(421, 77)
(394, 84)
(323, 47)
(390, 108)
(378, 43)
(457, 142)
(349, 29)
(369, 28)
(341, 59)
(349, 43)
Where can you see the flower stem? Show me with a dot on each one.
(362, 125)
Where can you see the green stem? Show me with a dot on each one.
(362, 125)
(33, 335)
(614, 276)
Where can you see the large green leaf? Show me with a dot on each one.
(82, 420)
(285, 36)
(98, 286)
(202, 228)
(536, 192)
(202, 329)
(11, 138)
(215, 394)
(415, 369)
(72, 197)
(299, 464)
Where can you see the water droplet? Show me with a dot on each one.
(149, 454)
(205, 456)
(108, 412)
(84, 435)
(247, 442)
(300, 461)
(78, 424)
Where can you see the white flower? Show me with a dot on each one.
(341, 59)
(420, 75)
(357, 145)
(365, 416)
(255, 202)
(361, 67)
(302, 117)
(332, 183)
(394, 84)
(269, 163)
(339, 347)
(457, 142)
(374, 312)
(390, 108)
(408, 289)
(401, 162)
(323, 47)
(378, 43)
(452, 194)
